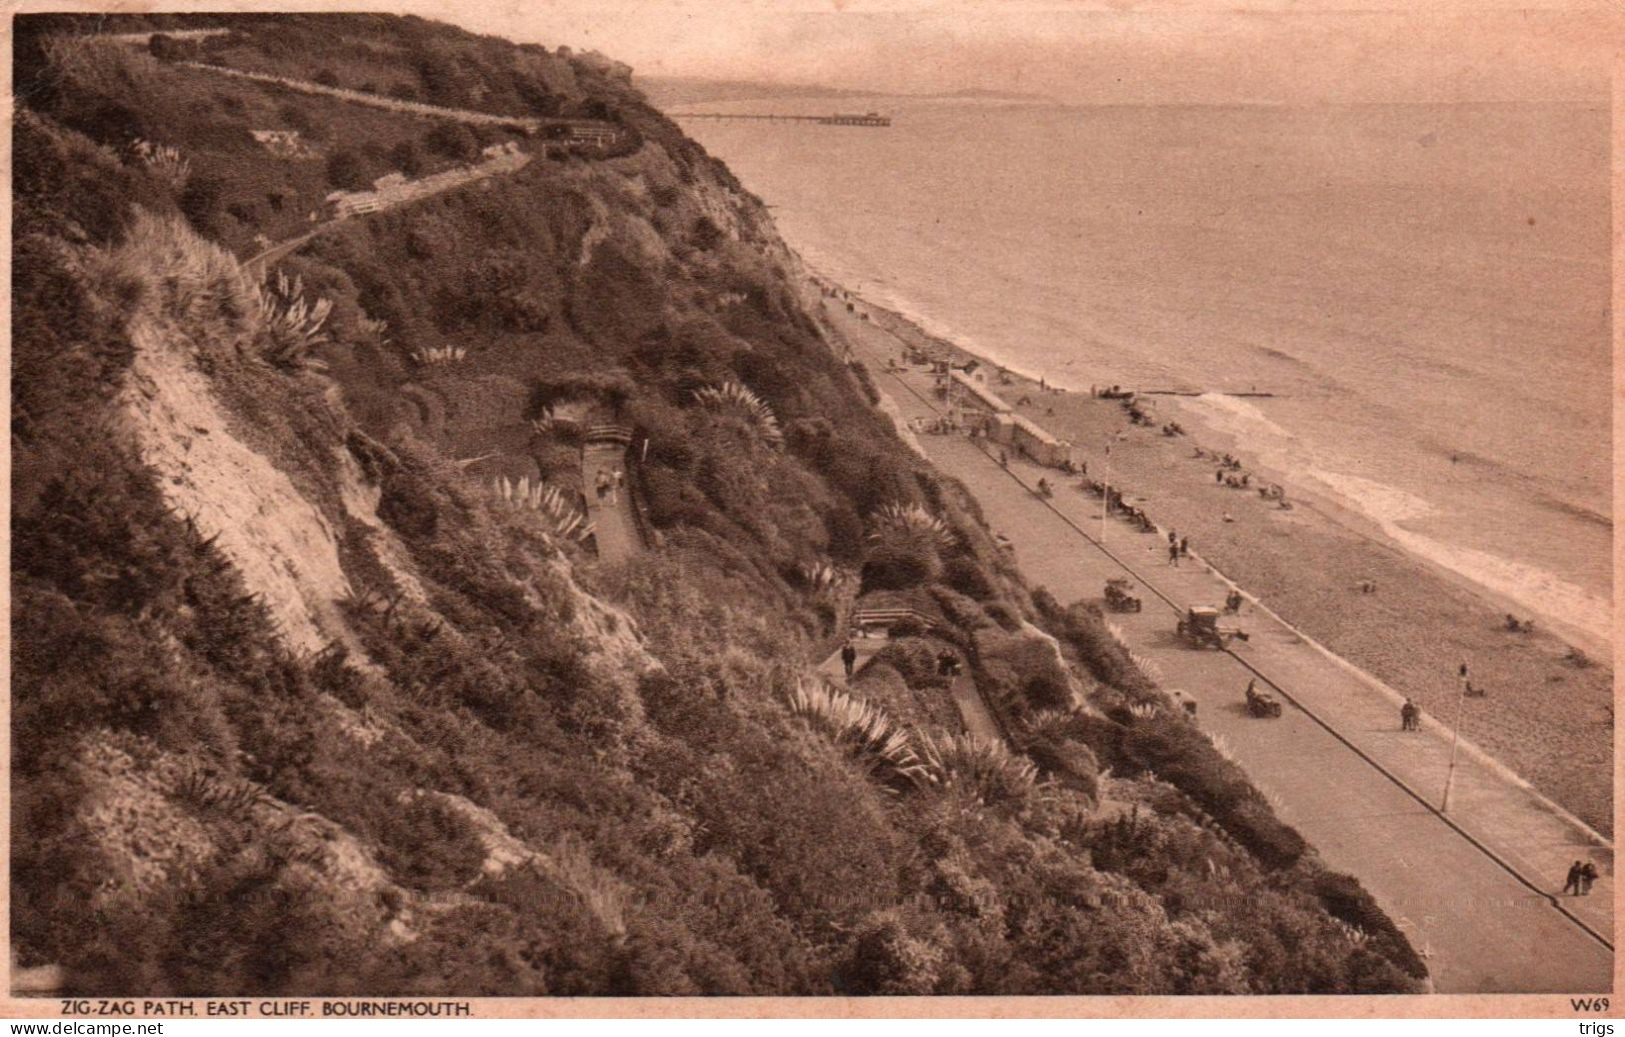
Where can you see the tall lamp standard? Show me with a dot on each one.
(1455, 737)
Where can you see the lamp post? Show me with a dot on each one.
(1455, 738)
(1106, 492)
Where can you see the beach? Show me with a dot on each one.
(1421, 289)
(1542, 716)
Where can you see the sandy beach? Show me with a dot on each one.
(1547, 719)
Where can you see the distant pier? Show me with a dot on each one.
(838, 119)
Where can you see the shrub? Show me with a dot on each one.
(915, 659)
(349, 170)
(898, 567)
(1066, 761)
(966, 576)
(430, 846)
(885, 958)
(406, 158)
(454, 140)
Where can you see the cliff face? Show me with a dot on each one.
(318, 687)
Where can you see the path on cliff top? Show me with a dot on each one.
(1473, 892)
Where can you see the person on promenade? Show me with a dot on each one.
(1588, 875)
(1576, 873)
(1173, 538)
(1184, 547)
(1407, 716)
(849, 658)
(1218, 476)
(617, 480)
(1173, 555)
(601, 484)
(1004, 459)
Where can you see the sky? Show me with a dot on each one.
(1267, 51)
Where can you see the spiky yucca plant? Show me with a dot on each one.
(984, 769)
(293, 325)
(548, 501)
(164, 162)
(379, 329)
(912, 520)
(440, 355)
(821, 577)
(881, 745)
(735, 398)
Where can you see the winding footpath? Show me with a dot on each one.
(615, 527)
(1475, 889)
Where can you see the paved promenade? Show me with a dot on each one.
(1475, 889)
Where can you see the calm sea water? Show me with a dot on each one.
(1426, 287)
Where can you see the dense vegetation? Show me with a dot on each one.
(487, 781)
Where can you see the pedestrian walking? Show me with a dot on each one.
(1172, 537)
(849, 658)
(1576, 875)
(1588, 875)
(1173, 555)
(1184, 547)
(601, 484)
(1408, 716)
(617, 480)
(1218, 476)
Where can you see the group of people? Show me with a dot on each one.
(1178, 547)
(608, 484)
(1581, 875)
(1520, 626)
(1410, 716)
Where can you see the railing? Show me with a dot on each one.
(888, 617)
(621, 434)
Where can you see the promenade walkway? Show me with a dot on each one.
(1475, 890)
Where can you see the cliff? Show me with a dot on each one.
(321, 684)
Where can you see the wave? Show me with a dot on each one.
(1300, 465)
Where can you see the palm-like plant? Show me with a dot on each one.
(821, 577)
(732, 397)
(882, 746)
(293, 325)
(165, 162)
(547, 501)
(433, 355)
(984, 769)
(379, 329)
(912, 520)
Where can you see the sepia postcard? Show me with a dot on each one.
(872, 507)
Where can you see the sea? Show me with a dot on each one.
(1424, 289)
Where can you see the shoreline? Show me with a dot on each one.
(1186, 404)
(1546, 721)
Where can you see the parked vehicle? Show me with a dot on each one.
(1200, 628)
(1118, 598)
